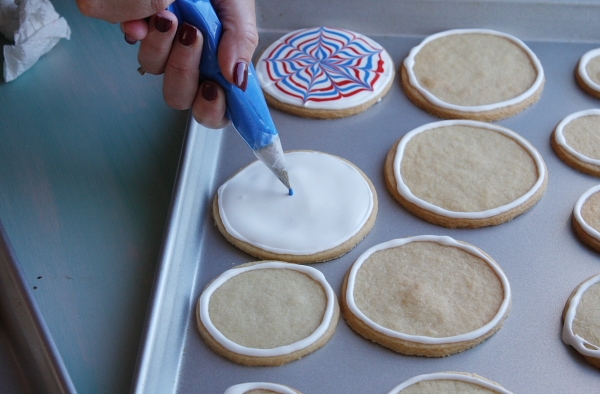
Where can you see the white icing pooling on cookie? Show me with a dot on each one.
(568, 336)
(245, 387)
(405, 191)
(442, 240)
(409, 63)
(281, 350)
(577, 212)
(560, 139)
(332, 201)
(449, 376)
(582, 69)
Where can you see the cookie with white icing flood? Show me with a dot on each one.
(267, 313)
(464, 173)
(426, 295)
(586, 217)
(334, 206)
(581, 320)
(260, 388)
(576, 141)
(472, 74)
(587, 72)
(324, 73)
(449, 383)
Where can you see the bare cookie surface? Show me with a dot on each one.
(473, 74)
(267, 313)
(586, 217)
(462, 173)
(581, 320)
(324, 72)
(587, 72)
(333, 208)
(427, 295)
(449, 382)
(576, 141)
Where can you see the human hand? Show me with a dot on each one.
(175, 51)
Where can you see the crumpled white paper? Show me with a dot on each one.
(35, 27)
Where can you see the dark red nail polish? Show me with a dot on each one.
(162, 24)
(187, 34)
(130, 40)
(240, 75)
(209, 91)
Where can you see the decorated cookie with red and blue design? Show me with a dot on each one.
(324, 73)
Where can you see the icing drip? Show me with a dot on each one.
(568, 336)
(560, 139)
(203, 308)
(449, 376)
(333, 201)
(577, 212)
(409, 64)
(447, 241)
(325, 68)
(406, 192)
(582, 69)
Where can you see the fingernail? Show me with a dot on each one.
(187, 34)
(162, 24)
(240, 75)
(209, 91)
(129, 40)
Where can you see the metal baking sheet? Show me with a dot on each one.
(538, 250)
(29, 359)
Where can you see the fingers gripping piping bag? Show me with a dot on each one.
(248, 109)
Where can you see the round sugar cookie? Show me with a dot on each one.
(333, 208)
(464, 173)
(260, 388)
(587, 72)
(267, 313)
(576, 141)
(324, 73)
(472, 74)
(581, 320)
(427, 295)
(586, 218)
(449, 383)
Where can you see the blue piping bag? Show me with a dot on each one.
(248, 109)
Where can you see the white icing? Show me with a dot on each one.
(442, 240)
(332, 201)
(582, 71)
(409, 63)
(281, 350)
(245, 387)
(449, 376)
(577, 212)
(346, 102)
(568, 336)
(404, 190)
(560, 139)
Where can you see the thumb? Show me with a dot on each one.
(239, 39)
(115, 11)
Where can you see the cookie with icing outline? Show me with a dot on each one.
(476, 74)
(333, 208)
(587, 72)
(260, 387)
(443, 382)
(581, 320)
(427, 295)
(267, 313)
(586, 218)
(576, 141)
(324, 73)
(464, 173)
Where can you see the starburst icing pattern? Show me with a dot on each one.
(325, 64)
